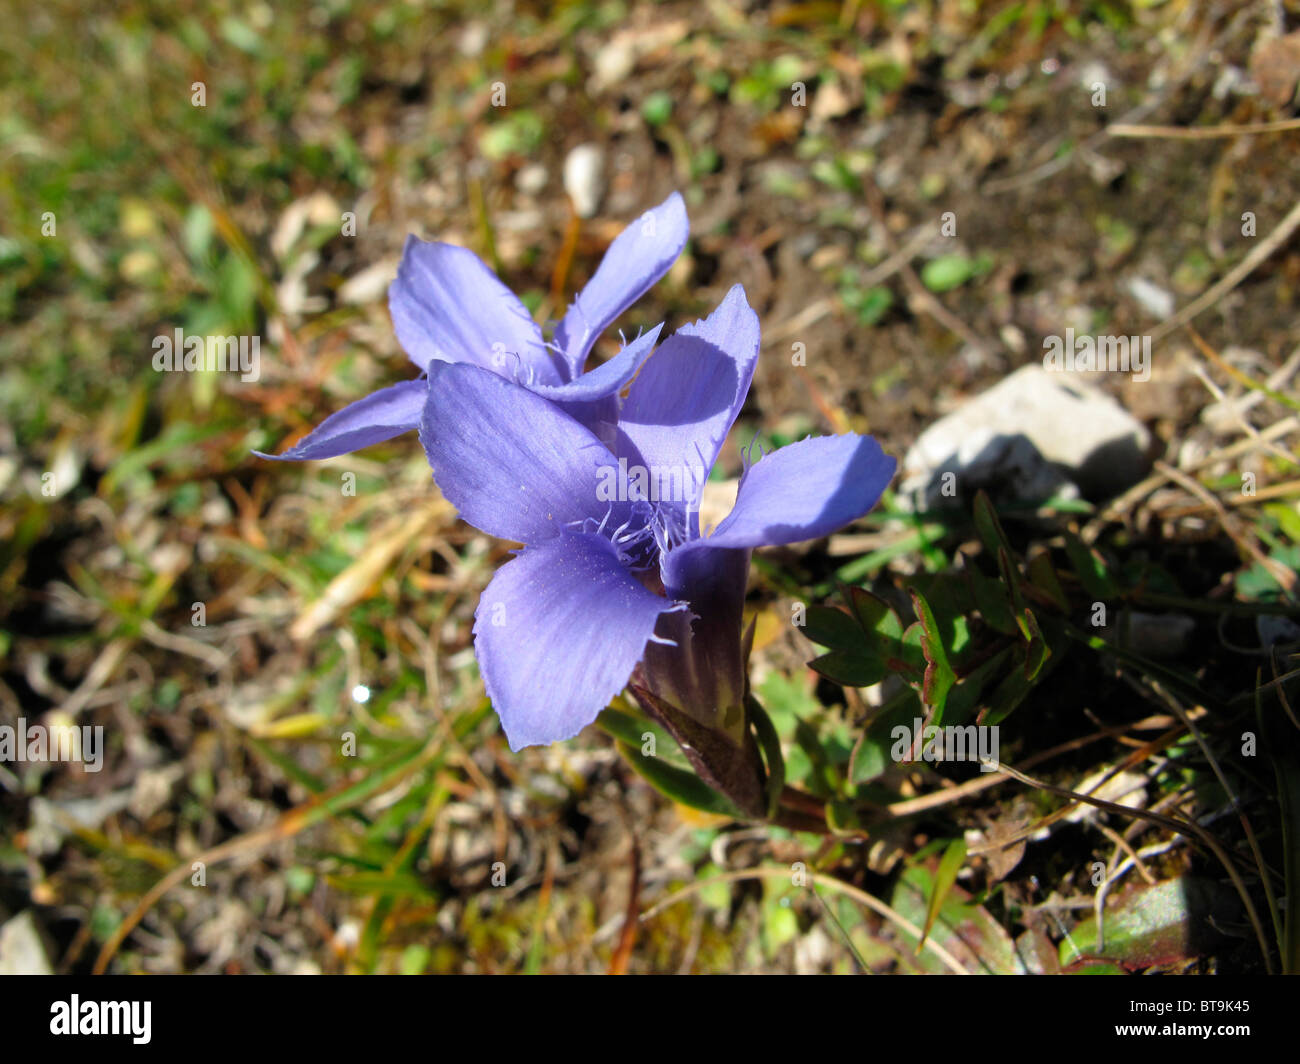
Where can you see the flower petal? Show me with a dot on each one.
(512, 463)
(607, 378)
(638, 257)
(805, 491)
(379, 416)
(592, 399)
(683, 403)
(557, 633)
(447, 306)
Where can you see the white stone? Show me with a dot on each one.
(21, 949)
(584, 178)
(531, 179)
(369, 285)
(1151, 297)
(613, 63)
(1034, 435)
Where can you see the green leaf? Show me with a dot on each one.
(1037, 651)
(989, 527)
(678, 784)
(875, 750)
(1257, 583)
(1089, 567)
(831, 627)
(947, 272)
(1042, 574)
(787, 700)
(993, 599)
(873, 613)
(770, 743)
(414, 960)
(944, 878)
(176, 447)
(964, 698)
(383, 774)
(844, 818)
(716, 895)
(862, 641)
(243, 36)
(657, 108)
(366, 883)
(1287, 518)
(780, 925)
(1011, 577)
(237, 284)
(869, 563)
(632, 729)
(967, 930)
(868, 305)
(196, 232)
(1162, 923)
(1013, 690)
(939, 675)
(849, 669)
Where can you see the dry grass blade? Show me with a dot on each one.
(287, 826)
(1123, 129)
(1233, 277)
(353, 583)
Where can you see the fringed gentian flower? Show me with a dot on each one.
(616, 581)
(616, 585)
(448, 307)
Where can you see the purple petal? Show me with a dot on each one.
(805, 491)
(592, 399)
(683, 403)
(447, 306)
(607, 378)
(511, 462)
(638, 257)
(557, 633)
(379, 416)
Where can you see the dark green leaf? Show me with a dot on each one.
(833, 628)
(939, 676)
(848, 669)
(678, 784)
(1089, 568)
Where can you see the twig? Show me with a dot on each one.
(1284, 576)
(792, 326)
(1241, 378)
(99, 674)
(1121, 129)
(1233, 277)
(1119, 506)
(984, 781)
